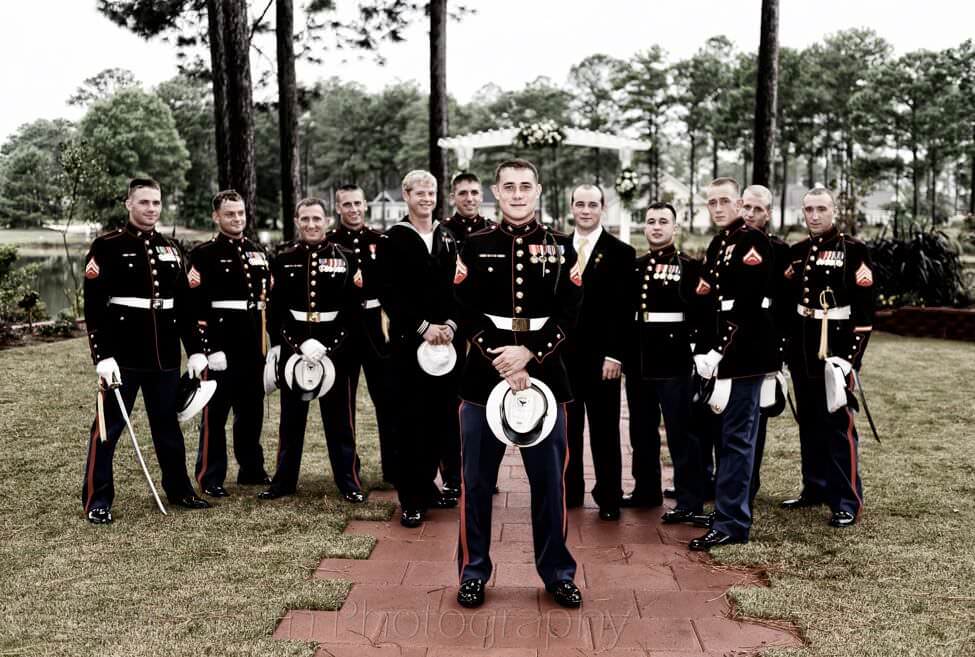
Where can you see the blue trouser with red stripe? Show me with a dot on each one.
(736, 458)
(336, 411)
(545, 463)
(241, 388)
(159, 395)
(830, 448)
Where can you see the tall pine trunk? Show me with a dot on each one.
(765, 94)
(690, 186)
(240, 105)
(287, 115)
(438, 99)
(218, 81)
(785, 186)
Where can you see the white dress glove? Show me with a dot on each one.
(707, 364)
(273, 354)
(108, 371)
(312, 349)
(195, 365)
(835, 372)
(217, 361)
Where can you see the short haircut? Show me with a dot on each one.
(415, 176)
(139, 183)
(464, 176)
(602, 195)
(819, 191)
(224, 196)
(310, 201)
(717, 182)
(662, 205)
(348, 188)
(763, 192)
(516, 163)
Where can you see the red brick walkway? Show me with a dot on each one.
(644, 593)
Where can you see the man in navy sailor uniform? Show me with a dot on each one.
(830, 279)
(314, 306)
(418, 258)
(136, 313)
(230, 279)
(368, 347)
(519, 291)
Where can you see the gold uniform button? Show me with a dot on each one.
(519, 253)
(520, 294)
(517, 309)
(518, 240)
(314, 282)
(312, 293)
(519, 280)
(519, 266)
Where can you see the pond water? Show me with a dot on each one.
(54, 277)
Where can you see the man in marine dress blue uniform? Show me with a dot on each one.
(830, 277)
(519, 291)
(736, 347)
(230, 278)
(368, 347)
(136, 313)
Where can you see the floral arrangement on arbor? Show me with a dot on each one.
(627, 184)
(539, 134)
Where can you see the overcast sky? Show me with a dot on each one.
(48, 47)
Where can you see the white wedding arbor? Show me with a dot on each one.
(464, 146)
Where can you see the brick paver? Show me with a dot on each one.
(644, 592)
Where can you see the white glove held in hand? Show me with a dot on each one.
(217, 361)
(195, 365)
(273, 354)
(108, 371)
(707, 364)
(312, 349)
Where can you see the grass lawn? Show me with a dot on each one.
(214, 582)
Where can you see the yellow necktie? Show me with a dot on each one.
(583, 253)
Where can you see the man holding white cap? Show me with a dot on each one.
(520, 289)
(418, 259)
(314, 305)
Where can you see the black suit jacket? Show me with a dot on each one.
(606, 314)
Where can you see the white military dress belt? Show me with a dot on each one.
(236, 304)
(518, 324)
(370, 303)
(315, 317)
(661, 318)
(839, 312)
(144, 304)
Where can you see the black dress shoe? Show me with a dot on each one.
(670, 493)
(842, 519)
(100, 515)
(471, 593)
(566, 594)
(453, 492)
(272, 494)
(680, 515)
(609, 514)
(354, 497)
(411, 518)
(799, 503)
(259, 480)
(443, 502)
(713, 538)
(191, 502)
(640, 502)
(215, 491)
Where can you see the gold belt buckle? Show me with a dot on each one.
(156, 304)
(313, 317)
(808, 312)
(520, 324)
